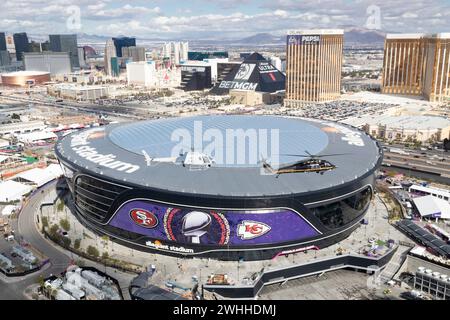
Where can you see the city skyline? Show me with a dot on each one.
(218, 18)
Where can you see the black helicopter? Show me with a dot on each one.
(313, 163)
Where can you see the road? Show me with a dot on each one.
(433, 162)
(78, 107)
(13, 288)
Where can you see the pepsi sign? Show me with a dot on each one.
(303, 39)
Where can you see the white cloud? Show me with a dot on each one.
(409, 15)
(125, 12)
(227, 18)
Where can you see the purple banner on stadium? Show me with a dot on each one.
(211, 227)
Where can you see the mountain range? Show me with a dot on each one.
(352, 36)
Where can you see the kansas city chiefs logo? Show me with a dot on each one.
(251, 229)
(144, 218)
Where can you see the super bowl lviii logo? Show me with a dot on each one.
(196, 227)
(247, 229)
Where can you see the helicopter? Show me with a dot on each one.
(313, 163)
(192, 159)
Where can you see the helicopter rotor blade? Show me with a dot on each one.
(296, 155)
(331, 155)
(314, 156)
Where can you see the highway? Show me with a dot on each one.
(112, 111)
(432, 161)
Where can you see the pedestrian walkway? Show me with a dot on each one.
(394, 265)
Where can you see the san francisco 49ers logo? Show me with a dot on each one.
(144, 218)
(251, 229)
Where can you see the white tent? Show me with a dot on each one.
(38, 176)
(12, 190)
(35, 136)
(54, 170)
(429, 206)
(9, 209)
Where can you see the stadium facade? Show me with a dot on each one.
(127, 183)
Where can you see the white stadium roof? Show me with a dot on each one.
(12, 190)
(429, 206)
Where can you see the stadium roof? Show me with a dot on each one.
(359, 154)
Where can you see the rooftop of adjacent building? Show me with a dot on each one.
(25, 73)
(45, 53)
(316, 32)
(410, 122)
(400, 36)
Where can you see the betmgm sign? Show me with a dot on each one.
(241, 79)
(296, 39)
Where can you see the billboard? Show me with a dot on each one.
(195, 226)
(296, 39)
(193, 68)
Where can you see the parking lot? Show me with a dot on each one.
(341, 110)
(17, 258)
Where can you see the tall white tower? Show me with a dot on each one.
(110, 52)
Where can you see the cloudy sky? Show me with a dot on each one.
(227, 18)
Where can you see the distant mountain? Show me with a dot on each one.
(355, 35)
(352, 36)
(261, 38)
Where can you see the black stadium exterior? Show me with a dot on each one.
(126, 183)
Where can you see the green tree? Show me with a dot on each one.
(41, 281)
(65, 224)
(105, 256)
(15, 116)
(92, 251)
(45, 222)
(60, 206)
(65, 241)
(54, 230)
(77, 244)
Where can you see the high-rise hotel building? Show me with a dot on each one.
(313, 66)
(417, 64)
